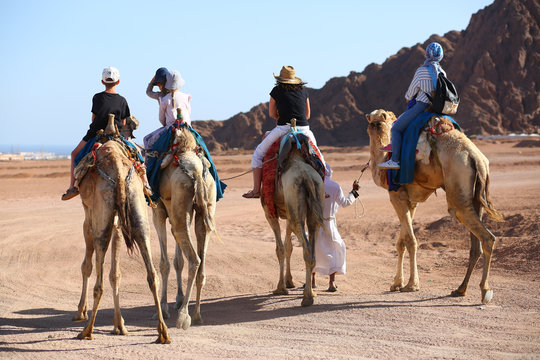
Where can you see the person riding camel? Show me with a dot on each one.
(421, 84)
(103, 103)
(289, 100)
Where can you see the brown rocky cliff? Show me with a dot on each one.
(494, 64)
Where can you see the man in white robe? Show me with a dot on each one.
(330, 249)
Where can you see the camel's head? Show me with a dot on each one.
(380, 115)
(380, 122)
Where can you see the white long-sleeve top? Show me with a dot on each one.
(167, 112)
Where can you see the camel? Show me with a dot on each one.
(186, 188)
(299, 199)
(113, 199)
(462, 171)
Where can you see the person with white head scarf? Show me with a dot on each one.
(168, 105)
(422, 84)
(330, 250)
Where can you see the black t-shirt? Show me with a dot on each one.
(103, 104)
(290, 104)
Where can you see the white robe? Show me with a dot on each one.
(330, 249)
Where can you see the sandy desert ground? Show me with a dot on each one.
(41, 250)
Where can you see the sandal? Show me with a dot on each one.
(70, 193)
(252, 195)
(332, 288)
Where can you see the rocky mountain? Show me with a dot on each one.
(494, 63)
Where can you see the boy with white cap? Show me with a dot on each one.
(103, 104)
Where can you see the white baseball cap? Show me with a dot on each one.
(110, 75)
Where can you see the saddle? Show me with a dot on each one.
(86, 159)
(418, 144)
(275, 161)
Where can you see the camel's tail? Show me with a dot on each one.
(202, 199)
(123, 207)
(314, 201)
(481, 189)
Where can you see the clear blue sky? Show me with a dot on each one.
(53, 52)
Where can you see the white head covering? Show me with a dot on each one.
(328, 171)
(174, 80)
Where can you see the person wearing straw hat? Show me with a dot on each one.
(288, 100)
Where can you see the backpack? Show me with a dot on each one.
(445, 99)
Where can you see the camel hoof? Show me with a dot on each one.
(197, 319)
(84, 336)
(163, 339)
(80, 317)
(410, 288)
(184, 321)
(396, 287)
(119, 331)
(307, 302)
(486, 298)
(290, 284)
(282, 291)
(457, 293)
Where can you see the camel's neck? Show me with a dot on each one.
(376, 142)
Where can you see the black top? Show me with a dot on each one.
(290, 104)
(103, 104)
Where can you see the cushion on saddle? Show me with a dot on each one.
(161, 146)
(405, 174)
(302, 142)
(269, 171)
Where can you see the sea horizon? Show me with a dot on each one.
(20, 148)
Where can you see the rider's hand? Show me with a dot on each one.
(355, 185)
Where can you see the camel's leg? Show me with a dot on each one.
(114, 278)
(143, 240)
(474, 256)
(470, 218)
(86, 270)
(280, 253)
(141, 236)
(180, 221)
(101, 243)
(178, 267)
(288, 252)
(404, 211)
(309, 260)
(159, 215)
(202, 246)
(412, 248)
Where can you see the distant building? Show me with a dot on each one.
(11, 157)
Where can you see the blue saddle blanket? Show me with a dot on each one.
(90, 144)
(405, 174)
(153, 164)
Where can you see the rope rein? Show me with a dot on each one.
(364, 168)
(247, 172)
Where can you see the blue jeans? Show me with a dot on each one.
(401, 124)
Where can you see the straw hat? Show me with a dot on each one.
(287, 76)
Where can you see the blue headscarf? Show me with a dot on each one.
(434, 54)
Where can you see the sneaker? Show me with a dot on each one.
(390, 164)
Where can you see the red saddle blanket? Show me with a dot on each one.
(269, 178)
